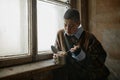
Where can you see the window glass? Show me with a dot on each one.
(13, 27)
(49, 21)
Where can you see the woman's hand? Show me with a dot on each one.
(60, 53)
(74, 48)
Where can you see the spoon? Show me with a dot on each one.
(54, 49)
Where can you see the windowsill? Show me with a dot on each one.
(37, 66)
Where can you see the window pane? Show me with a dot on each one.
(49, 20)
(13, 27)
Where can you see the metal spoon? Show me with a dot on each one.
(54, 49)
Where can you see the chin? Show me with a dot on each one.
(69, 34)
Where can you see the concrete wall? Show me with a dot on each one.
(104, 22)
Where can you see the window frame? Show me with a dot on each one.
(48, 54)
(32, 38)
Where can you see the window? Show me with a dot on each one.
(13, 27)
(49, 20)
(28, 28)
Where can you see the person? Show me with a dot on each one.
(85, 56)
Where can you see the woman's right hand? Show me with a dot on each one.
(74, 48)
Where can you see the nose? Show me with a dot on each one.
(68, 30)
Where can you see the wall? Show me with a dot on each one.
(104, 23)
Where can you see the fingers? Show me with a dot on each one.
(61, 53)
(55, 56)
(74, 48)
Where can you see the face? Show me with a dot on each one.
(70, 26)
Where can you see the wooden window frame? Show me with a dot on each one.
(32, 39)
